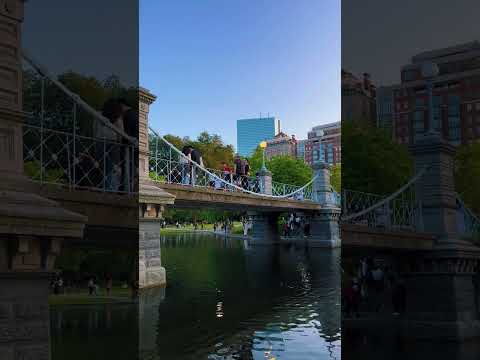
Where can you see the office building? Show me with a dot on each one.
(385, 109)
(301, 149)
(250, 132)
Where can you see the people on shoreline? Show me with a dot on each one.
(380, 289)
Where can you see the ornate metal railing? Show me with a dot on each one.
(170, 165)
(398, 211)
(468, 222)
(67, 142)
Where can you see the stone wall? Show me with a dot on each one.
(151, 272)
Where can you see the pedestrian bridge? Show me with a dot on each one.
(396, 222)
(76, 157)
(195, 186)
(188, 197)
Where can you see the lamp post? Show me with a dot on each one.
(263, 146)
(429, 72)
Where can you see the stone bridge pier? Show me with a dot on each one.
(152, 200)
(324, 222)
(32, 228)
(443, 292)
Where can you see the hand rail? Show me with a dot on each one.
(228, 184)
(76, 98)
(387, 199)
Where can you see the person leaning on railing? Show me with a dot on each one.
(111, 151)
(130, 125)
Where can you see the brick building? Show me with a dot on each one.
(324, 141)
(281, 144)
(358, 98)
(456, 96)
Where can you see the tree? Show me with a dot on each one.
(336, 177)
(285, 169)
(372, 161)
(467, 175)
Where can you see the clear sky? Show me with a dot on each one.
(211, 62)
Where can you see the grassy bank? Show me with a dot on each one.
(171, 229)
(81, 297)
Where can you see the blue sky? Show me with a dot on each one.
(211, 62)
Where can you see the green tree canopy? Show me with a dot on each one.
(467, 175)
(214, 151)
(336, 177)
(285, 169)
(373, 161)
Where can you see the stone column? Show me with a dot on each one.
(11, 114)
(265, 179)
(322, 188)
(152, 199)
(324, 229)
(32, 228)
(146, 99)
(264, 228)
(441, 291)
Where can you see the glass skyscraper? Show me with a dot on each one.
(250, 132)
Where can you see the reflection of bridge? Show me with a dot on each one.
(251, 306)
(429, 235)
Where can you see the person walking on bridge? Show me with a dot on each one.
(130, 125)
(185, 165)
(197, 158)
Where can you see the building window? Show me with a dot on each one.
(437, 113)
(330, 153)
(454, 118)
(420, 103)
(418, 123)
(469, 107)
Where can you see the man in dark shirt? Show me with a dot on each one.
(130, 119)
(130, 125)
(196, 157)
(239, 169)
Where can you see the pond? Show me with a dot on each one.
(224, 300)
(228, 300)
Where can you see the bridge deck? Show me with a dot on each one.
(112, 217)
(363, 236)
(197, 197)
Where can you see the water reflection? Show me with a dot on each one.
(94, 332)
(225, 300)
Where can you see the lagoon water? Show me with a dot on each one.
(224, 300)
(228, 300)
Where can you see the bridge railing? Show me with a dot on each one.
(167, 164)
(399, 211)
(468, 222)
(66, 142)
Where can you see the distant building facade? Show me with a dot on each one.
(301, 149)
(281, 145)
(456, 96)
(250, 132)
(385, 109)
(324, 141)
(358, 98)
